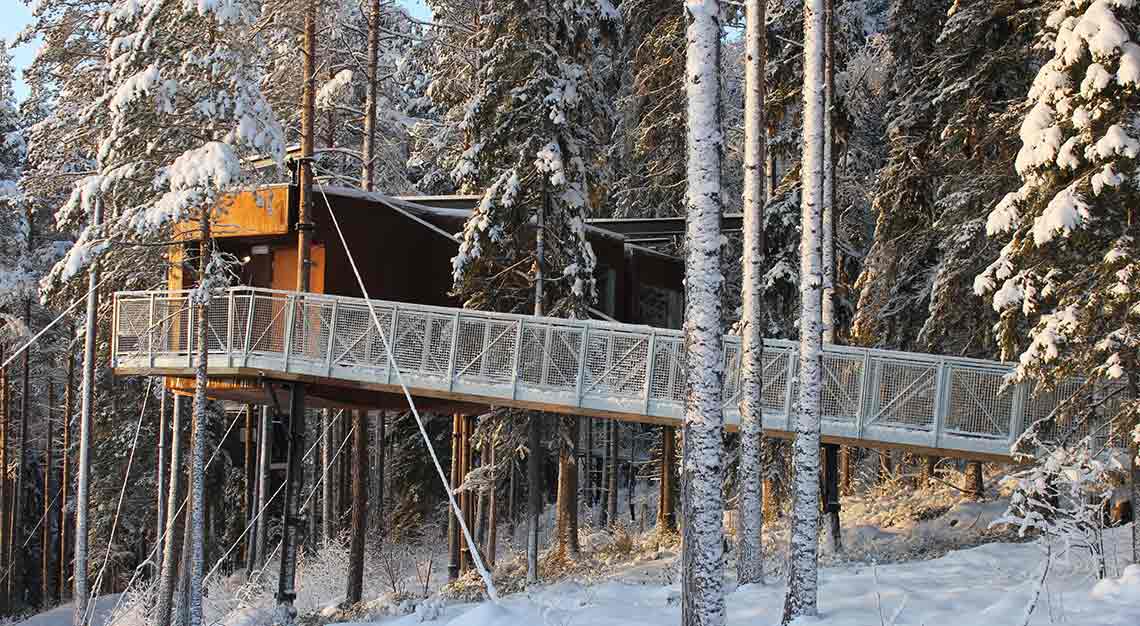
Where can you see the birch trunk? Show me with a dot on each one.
(198, 434)
(828, 219)
(801, 599)
(749, 562)
(702, 555)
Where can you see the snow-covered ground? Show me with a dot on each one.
(984, 585)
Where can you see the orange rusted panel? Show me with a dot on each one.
(245, 214)
(285, 269)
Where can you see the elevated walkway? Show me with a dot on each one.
(949, 406)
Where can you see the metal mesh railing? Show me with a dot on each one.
(890, 397)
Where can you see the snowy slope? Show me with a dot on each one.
(989, 584)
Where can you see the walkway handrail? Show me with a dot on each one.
(883, 396)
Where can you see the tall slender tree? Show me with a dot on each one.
(702, 593)
(802, 595)
(750, 565)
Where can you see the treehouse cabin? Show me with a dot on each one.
(403, 247)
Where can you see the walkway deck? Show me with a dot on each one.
(874, 398)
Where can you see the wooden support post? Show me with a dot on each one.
(453, 532)
(974, 485)
(846, 470)
(831, 494)
(355, 586)
(492, 507)
(666, 507)
(249, 471)
(467, 499)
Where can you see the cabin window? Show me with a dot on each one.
(660, 307)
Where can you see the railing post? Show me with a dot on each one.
(650, 357)
(289, 320)
(230, 312)
(189, 331)
(247, 345)
(793, 358)
(149, 329)
(332, 335)
(941, 391)
(1017, 410)
(864, 394)
(426, 344)
(390, 342)
(582, 363)
(545, 375)
(115, 330)
(517, 360)
(455, 350)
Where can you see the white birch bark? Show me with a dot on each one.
(198, 438)
(801, 596)
(702, 594)
(749, 560)
(828, 219)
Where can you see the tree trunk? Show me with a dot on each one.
(20, 558)
(612, 472)
(160, 482)
(355, 586)
(326, 482)
(567, 489)
(264, 459)
(846, 470)
(5, 504)
(974, 485)
(601, 516)
(492, 507)
(702, 554)
(801, 599)
(750, 565)
(169, 561)
(198, 433)
(82, 495)
(368, 150)
(381, 445)
(249, 471)
(534, 498)
(454, 537)
(827, 222)
(65, 520)
(591, 487)
(47, 559)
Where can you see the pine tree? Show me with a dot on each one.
(1070, 266)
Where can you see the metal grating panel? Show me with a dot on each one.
(842, 381)
(904, 396)
(978, 405)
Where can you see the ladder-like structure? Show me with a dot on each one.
(875, 398)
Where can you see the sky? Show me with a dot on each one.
(15, 15)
